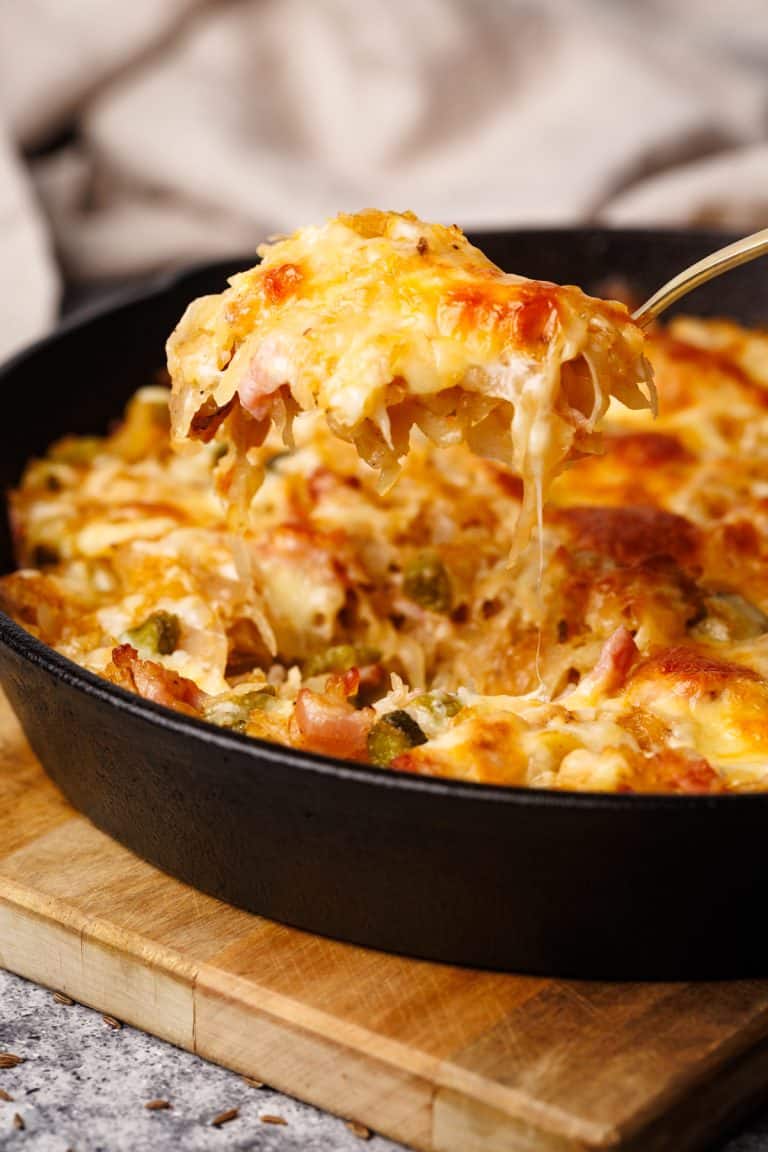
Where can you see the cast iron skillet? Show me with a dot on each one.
(552, 883)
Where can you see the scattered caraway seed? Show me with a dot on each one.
(112, 1022)
(252, 1083)
(5, 1095)
(267, 1118)
(10, 1060)
(225, 1117)
(18, 1122)
(359, 1130)
(62, 998)
(157, 1105)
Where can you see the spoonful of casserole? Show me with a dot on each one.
(383, 324)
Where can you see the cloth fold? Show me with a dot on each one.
(199, 127)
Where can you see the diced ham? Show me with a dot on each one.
(155, 682)
(615, 660)
(267, 372)
(326, 722)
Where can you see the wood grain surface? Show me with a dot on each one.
(441, 1058)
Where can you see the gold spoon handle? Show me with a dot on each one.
(721, 261)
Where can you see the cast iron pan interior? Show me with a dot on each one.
(552, 883)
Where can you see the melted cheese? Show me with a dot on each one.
(382, 323)
(339, 604)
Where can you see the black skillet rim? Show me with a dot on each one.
(24, 644)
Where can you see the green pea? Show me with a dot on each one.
(158, 633)
(426, 581)
(235, 712)
(340, 658)
(440, 705)
(391, 735)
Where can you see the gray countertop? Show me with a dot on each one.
(83, 1087)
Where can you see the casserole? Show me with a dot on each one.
(566, 884)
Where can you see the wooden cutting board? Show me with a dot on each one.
(441, 1058)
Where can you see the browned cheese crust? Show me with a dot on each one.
(389, 626)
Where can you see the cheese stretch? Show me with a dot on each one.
(384, 323)
(387, 627)
(339, 557)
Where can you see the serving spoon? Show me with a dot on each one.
(748, 248)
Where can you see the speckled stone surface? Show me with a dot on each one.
(83, 1087)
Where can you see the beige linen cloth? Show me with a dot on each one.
(202, 126)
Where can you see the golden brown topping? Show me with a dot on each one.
(676, 770)
(647, 449)
(631, 535)
(384, 324)
(388, 626)
(693, 671)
